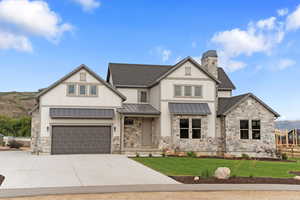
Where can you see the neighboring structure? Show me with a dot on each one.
(152, 108)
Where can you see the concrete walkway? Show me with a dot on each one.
(6, 193)
(23, 170)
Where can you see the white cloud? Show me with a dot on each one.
(33, 17)
(285, 63)
(12, 41)
(282, 12)
(267, 23)
(162, 52)
(259, 37)
(293, 20)
(166, 55)
(88, 5)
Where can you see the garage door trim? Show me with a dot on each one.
(81, 125)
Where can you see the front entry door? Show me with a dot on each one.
(147, 132)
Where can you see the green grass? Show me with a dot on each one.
(174, 166)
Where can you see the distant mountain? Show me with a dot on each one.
(16, 104)
(288, 124)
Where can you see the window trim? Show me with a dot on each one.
(90, 89)
(196, 128)
(244, 129)
(140, 96)
(188, 70)
(201, 91)
(180, 86)
(82, 76)
(183, 91)
(252, 129)
(75, 89)
(82, 95)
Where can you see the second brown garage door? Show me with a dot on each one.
(81, 139)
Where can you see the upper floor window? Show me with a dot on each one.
(244, 129)
(82, 90)
(188, 91)
(143, 96)
(188, 70)
(93, 90)
(82, 76)
(256, 129)
(71, 89)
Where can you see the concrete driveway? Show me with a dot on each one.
(23, 170)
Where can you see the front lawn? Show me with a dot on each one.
(175, 166)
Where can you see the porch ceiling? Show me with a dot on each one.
(138, 109)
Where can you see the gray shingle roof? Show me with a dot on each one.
(136, 74)
(138, 109)
(210, 53)
(225, 105)
(189, 108)
(139, 75)
(226, 83)
(81, 113)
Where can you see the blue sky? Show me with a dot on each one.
(257, 41)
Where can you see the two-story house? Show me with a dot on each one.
(152, 108)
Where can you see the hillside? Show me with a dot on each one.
(16, 104)
(288, 124)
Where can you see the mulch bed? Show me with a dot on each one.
(240, 158)
(297, 173)
(236, 180)
(1, 179)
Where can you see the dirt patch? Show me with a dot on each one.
(1, 179)
(235, 180)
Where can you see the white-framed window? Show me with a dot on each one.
(198, 91)
(71, 89)
(82, 76)
(178, 90)
(196, 128)
(255, 129)
(143, 96)
(188, 70)
(82, 90)
(187, 91)
(244, 129)
(93, 90)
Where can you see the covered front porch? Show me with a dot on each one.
(140, 132)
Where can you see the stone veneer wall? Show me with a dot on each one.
(250, 109)
(35, 130)
(206, 145)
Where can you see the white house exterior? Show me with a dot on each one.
(152, 108)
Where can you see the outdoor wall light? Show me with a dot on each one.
(47, 128)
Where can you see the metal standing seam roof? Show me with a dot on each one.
(189, 108)
(81, 113)
(138, 109)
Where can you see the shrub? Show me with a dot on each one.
(251, 176)
(233, 176)
(137, 155)
(245, 156)
(14, 144)
(206, 174)
(17, 127)
(150, 155)
(284, 156)
(163, 154)
(191, 154)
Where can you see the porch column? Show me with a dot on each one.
(122, 133)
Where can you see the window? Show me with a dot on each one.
(82, 90)
(187, 91)
(143, 96)
(178, 92)
(244, 129)
(256, 129)
(196, 128)
(71, 89)
(197, 91)
(184, 128)
(188, 71)
(82, 76)
(93, 90)
(128, 121)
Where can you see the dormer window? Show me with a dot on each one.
(82, 76)
(188, 71)
(143, 96)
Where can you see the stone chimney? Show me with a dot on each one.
(209, 61)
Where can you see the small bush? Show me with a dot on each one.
(245, 156)
(191, 154)
(150, 155)
(251, 176)
(233, 176)
(163, 154)
(206, 174)
(284, 156)
(137, 155)
(14, 144)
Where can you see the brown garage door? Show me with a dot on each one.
(81, 139)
